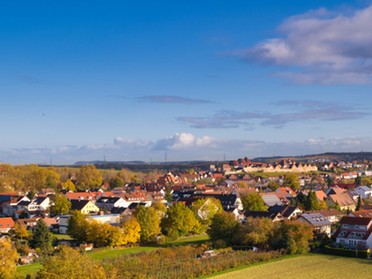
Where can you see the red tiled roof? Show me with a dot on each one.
(6, 222)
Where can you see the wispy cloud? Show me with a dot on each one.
(320, 47)
(301, 111)
(170, 99)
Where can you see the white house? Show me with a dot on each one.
(364, 191)
(39, 204)
(354, 232)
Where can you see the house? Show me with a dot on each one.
(354, 232)
(84, 206)
(63, 223)
(107, 203)
(91, 196)
(6, 224)
(363, 191)
(274, 216)
(333, 215)
(228, 200)
(112, 219)
(342, 198)
(362, 213)
(271, 199)
(39, 204)
(319, 222)
(288, 212)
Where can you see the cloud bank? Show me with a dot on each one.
(180, 147)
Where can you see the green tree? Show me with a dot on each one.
(116, 182)
(311, 202)
(9, 258)
(205, 209)
(149, 222)
(253, 202)
(256, 232)
(61, 205)
(293, 236)
(78, 226)
(41, 237)
(223, 227)
(179, 221)
(88, 177)
(68, 263)
(292, 180)
(273, 185)
(359, 203)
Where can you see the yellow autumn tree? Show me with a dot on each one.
(68, 263)
(131, 231)
(8, 259)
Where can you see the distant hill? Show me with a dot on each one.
(328, 156)
(204, 165)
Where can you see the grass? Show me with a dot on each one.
(114, 253)
(23, 270)
(306, 267)
(187, 240)
(62, 236)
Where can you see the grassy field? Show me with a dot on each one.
(114, 253)
(23, 270)
(306, 267)
(187, 240)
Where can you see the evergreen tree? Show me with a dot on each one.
(359, 203)
(41, 237)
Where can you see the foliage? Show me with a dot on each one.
(255, 232)
(69, 185)
(68, 263)
(41, 237)
(9, 258)
(19, 231)
(253, 202)
(359, 203)
(179, 221)
(311, 202)
(61, 205)
(223, 227)
(272, 185)
(182, 262)
(291, 180)
(293, 236)
(131, 231)
(363, 181)
(88, 177)
(205, 209)
(149, 222)
(116, 182)
(102, 235)
(78, 226)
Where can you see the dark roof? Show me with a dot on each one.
(39, 200)
(24, 203)
(78, 204)
(362, 221)
(285, 210)
(108, 199)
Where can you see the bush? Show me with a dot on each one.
(363, 254)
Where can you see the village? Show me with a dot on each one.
(333, 198)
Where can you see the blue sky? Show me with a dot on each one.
(196, 80)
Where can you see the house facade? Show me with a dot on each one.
(354, 232)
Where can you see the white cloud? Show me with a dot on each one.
(182, 141)
(323, 46)
(185, 146)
